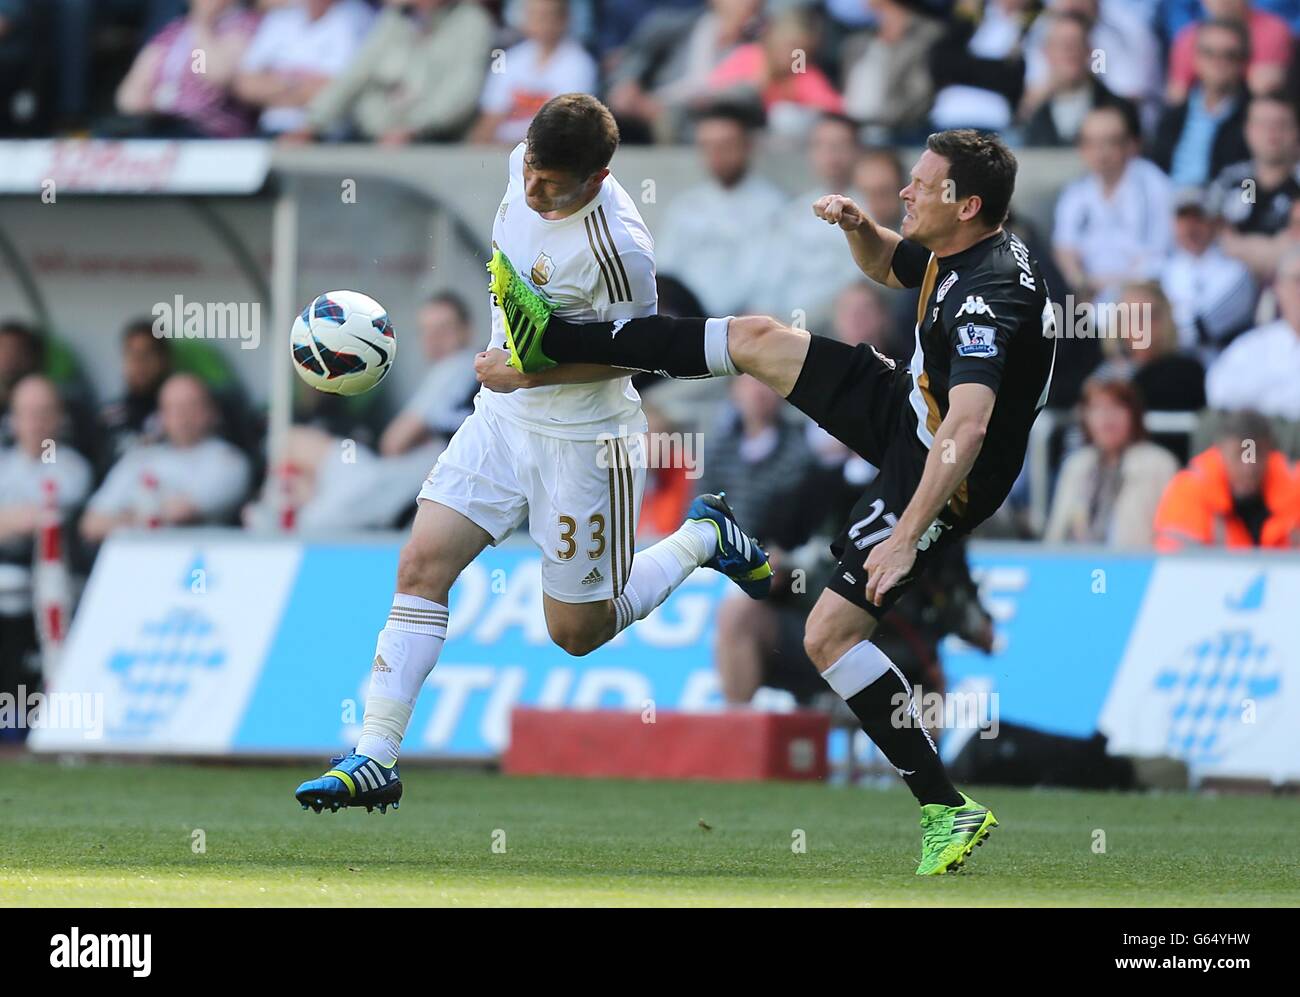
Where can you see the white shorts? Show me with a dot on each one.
(581, 499)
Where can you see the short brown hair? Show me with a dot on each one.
(980, 164)
(573, 132)
(1124, 394)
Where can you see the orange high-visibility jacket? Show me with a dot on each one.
(1196, 507)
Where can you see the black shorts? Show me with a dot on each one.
(860, 398)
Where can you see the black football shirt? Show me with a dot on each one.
(984, 317)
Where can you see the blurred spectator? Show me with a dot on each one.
(860, 316)
(1240, 493)
(977, 66)
(18, 58)
(1261, 369)
(298, 49)
(418, 75)
(446, 395)
(1113, 223)
(192, 477)
(708, 238)
(1196, 138)
(37, 456)
(1269, 48)
(1121, 39)
(759, 459)
(75, 24)
(1053, 111)
(36, 462)
(887, 83)
(545, 64)
(879, 177)
(1213, 295)
(779, 71)
(811, 256)
(1108, 490)
(180, 84)
(669, 482)
(22, 352)
(1255, 197)
(765, 465)
(668, 63)
(618, 31)
(1144, 349)
(133, 418)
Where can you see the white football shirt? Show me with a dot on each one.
(597, 265)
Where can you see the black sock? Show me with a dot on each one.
(907, 745)
(673, 347)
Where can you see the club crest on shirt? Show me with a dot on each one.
(977, 340)
(946, 286)
(543, 268)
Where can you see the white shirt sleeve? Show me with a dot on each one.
(497, 88)
(1069, 217)
(639, 267)
(118, 492)
(223, 482)
(269, 39)
(1230, 383)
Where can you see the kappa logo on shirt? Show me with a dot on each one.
(974, 305)
(977, 340)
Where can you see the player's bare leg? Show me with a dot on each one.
(579, 627)
(765, 349)
(837, 638)
(442, 543)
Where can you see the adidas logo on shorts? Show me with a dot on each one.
(593, 576)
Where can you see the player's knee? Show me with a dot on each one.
(575, 640)
(422, 571)
(749, 336)
(825, 643)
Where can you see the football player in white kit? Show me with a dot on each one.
(564, 453)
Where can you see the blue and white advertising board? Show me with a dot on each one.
(224, 643)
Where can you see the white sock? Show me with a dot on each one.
(405, 654)
(857, 668)
(659, 569)
(716, 356)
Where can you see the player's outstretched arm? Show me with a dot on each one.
(495, 373)
(872, 245)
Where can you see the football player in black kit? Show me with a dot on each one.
(948, 434)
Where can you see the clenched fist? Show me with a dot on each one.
(836, 209)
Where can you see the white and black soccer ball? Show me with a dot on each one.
(343, 342)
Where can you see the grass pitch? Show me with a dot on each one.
(130, 835)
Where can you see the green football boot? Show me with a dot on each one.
(525, 312)
(950, 834)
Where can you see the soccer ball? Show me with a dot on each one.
(343, 343)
